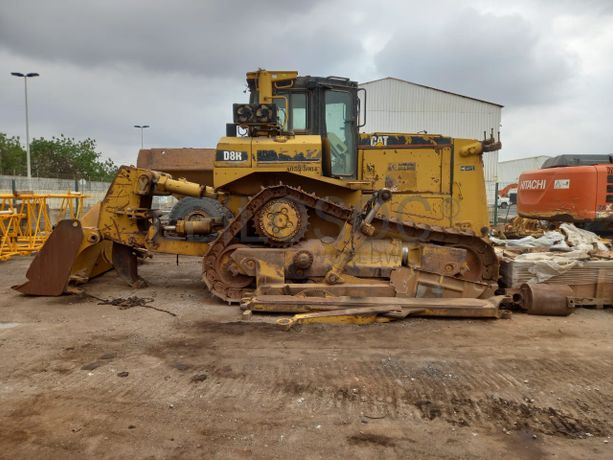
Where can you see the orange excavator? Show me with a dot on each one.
(570, 188)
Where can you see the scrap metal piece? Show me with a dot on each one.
(452, 307)
(361, 315)
(546, 299)
(408, 282)
(355, 289)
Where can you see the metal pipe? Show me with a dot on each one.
(25, 77)
(25, 81)
(142, 136)
(496, 204)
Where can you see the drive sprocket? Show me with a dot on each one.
(282, 222)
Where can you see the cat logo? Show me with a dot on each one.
(378, 140)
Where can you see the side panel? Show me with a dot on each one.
(239, 157)
(414, 175)
(233, 152)
(301, 152)
(468, 195)
(431, 183)
(566, 193)
(604, 192)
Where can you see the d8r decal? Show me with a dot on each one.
(230, 155)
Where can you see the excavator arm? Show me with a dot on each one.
(504, 192)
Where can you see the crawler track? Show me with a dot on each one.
(482, 251)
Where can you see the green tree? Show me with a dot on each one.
(12, 156)
(56, 157)
(65, 157)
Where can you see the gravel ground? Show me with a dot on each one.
(190, 378)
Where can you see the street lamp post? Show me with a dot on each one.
(142, 127)
(25, 77)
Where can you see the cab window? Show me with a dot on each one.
(339, 132)
(281, 103)
(298, 116)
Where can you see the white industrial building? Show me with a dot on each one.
(509, 171)
(395, 105)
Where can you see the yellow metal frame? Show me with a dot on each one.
(25, 223)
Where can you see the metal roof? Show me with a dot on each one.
(432, 88)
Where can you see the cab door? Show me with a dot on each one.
(340, 133)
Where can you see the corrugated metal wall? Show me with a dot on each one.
(509, 171)
(398, 106)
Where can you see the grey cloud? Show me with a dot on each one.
(498, 58)
(591, 7)
(200, 37)
(180, 65)
(176, 65)
(105, 103)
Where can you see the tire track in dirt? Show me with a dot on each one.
(510, 393)
(490, 396)
(442, 391)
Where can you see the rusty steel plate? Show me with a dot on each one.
(50, 270)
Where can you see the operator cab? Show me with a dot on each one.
(328, 107)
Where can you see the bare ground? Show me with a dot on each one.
(78, 378)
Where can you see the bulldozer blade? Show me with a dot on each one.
(50, 270)
(73, 254)
(125, 262)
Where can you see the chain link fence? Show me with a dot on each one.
(499, 212)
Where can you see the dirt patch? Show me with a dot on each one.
(93, 365)
(526, 416)
(430, 410)
(236, 328)
(205, 384)
(370, 438)
(512, 415)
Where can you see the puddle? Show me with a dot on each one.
(8, 325)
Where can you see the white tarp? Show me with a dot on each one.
(568, 237)
(582, 239)
(564, 249)
(545, 265)
(548, 240)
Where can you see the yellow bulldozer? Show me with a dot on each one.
(299, 204)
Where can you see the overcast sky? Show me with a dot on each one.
(179, 65)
